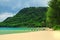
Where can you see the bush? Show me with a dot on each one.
(56, 27)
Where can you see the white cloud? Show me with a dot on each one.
(19, 4)
(3, 16)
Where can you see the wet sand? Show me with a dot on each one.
(39, 35)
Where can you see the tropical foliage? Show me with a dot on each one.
(53, 14)
(27, 17)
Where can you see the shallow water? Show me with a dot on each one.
(16, 30)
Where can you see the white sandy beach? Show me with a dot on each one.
(40, 35)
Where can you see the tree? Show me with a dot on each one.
(53, 13)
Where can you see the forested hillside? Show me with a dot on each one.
(27, 17)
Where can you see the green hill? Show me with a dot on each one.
(27, 17)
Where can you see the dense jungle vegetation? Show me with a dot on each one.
(27, 17)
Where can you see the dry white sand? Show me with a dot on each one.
(40, 35)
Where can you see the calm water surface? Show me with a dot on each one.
(15, 28)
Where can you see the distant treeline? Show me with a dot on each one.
(27, 17)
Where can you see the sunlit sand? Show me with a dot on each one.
(40, 35)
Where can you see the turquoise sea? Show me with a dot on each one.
(17, 30)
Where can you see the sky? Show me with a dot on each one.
(9, 8)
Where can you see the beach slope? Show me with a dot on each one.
(39, 35)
